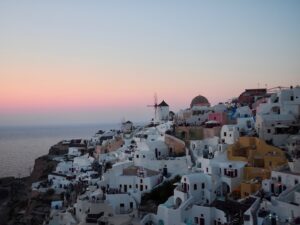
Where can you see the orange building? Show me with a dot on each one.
(261, 158)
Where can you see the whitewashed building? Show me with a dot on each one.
(229, 134)
(277, 118)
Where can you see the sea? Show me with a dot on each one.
(20, 146)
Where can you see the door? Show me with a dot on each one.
(202, 221)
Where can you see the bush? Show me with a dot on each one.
(50, 192)
(161, 194)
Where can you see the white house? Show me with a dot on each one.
(60, 182)
(282, 209)
(74, 151)
(195, 201)
(83, 163)
(127, 127)
(196, 188)
(60, 217)
(281, 180)
(293, 146)
(136, 178)
(246, 125)
(230, 134)
(125, 177)
(243, 112)
(276, 119)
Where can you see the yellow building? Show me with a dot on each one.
(261, 158)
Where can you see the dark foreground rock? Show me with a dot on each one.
(19, 205)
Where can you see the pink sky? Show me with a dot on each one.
(67, 62)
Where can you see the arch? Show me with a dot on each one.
(183, 134)
(225, 189)
(178, 202)
(275, 109)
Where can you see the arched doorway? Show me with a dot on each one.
(178, 202)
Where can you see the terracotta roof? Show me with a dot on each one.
(163, 103)
(199, 100)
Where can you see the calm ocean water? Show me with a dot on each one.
(20, 146)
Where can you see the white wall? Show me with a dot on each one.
(116, 199)
(230, 134)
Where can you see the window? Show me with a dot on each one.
(249, 124)
(130, 186)
(144, 156)
(131, 205)
(137, 156)
(225, 134)
(246, 217)
(146, 187)
(279, 178)
(136, 186)
(296, 182)
(141, 180)
(269, 131)
(203, 185)
(235, 173)
(195, 186)
(196, 220)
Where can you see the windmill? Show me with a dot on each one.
(154, 106)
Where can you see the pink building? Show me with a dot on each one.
(220, 117)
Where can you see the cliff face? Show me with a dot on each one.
(59, 149)
(42, 167)
(18, 204)
(14, 195)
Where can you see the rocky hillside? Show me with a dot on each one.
(18, 204)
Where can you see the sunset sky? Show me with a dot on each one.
(76, 62)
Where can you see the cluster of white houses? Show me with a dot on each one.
(239, 163)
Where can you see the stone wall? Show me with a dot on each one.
(175, 145)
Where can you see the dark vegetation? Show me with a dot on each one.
(161, 194)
